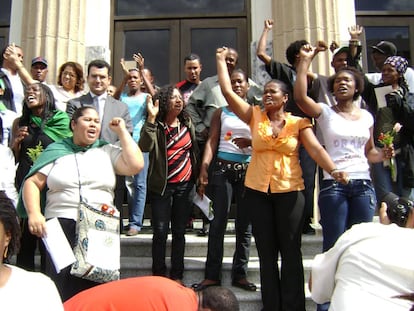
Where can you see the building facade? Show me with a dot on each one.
(165, 31)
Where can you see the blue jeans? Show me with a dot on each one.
(223, 183)
(382, 180)
(173, 206)
(277, 220)
(137, 194)
(342, 206)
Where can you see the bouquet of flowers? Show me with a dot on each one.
(387, 139)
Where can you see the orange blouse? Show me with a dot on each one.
(275, 161)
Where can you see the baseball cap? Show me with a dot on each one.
(39, 59)
(343, 49)
(386, 48)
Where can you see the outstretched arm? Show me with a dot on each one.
(140, 62)
(21, 70)
(355, 32)
(261, 46)
(124, 81)
(300, 89)
(242, 109)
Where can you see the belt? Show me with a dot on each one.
(236, 166)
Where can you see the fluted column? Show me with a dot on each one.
(55, 30)
(311, 20)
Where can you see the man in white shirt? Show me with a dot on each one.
(370, 265)
(11, 92)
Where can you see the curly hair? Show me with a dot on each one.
(294, 49)
(80, 80)
(164, 96)
(49, 106)
(359, 80)
(10, 221)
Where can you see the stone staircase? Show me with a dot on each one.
(136, 261)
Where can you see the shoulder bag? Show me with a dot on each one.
(97, 248)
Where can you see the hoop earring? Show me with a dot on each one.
(5, 252)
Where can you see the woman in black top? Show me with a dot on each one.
(39, 126)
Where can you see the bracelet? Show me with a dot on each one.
(333, 171)
(355, 42)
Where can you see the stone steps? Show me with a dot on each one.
(136, 261)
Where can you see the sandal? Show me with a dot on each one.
(251, 287)
(200, 286)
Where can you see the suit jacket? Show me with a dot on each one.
(113, 108)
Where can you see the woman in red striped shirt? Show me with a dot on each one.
(169, 137)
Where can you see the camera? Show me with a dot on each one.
(398, 208)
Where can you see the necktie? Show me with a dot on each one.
(96, 104)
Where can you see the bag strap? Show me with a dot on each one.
(79, 181)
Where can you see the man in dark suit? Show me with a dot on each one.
(108, 107)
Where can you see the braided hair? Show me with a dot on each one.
(48, 110)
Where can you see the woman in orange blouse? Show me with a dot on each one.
(274, 187)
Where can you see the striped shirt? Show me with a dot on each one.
(178, 154)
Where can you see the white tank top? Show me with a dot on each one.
(232, 127)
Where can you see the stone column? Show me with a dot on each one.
(311, 20)
(55, 30)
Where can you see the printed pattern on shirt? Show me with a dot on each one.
(178, 154)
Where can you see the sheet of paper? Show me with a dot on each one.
(57, 245)
(205, 205)
(130, 64)
(380, 93)
(104, 249)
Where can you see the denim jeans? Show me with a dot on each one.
(137, 194)
(382, 180)
(173, 206)
(277, 220)
(342, 206)
(223, 183)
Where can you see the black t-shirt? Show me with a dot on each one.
(30, 142)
